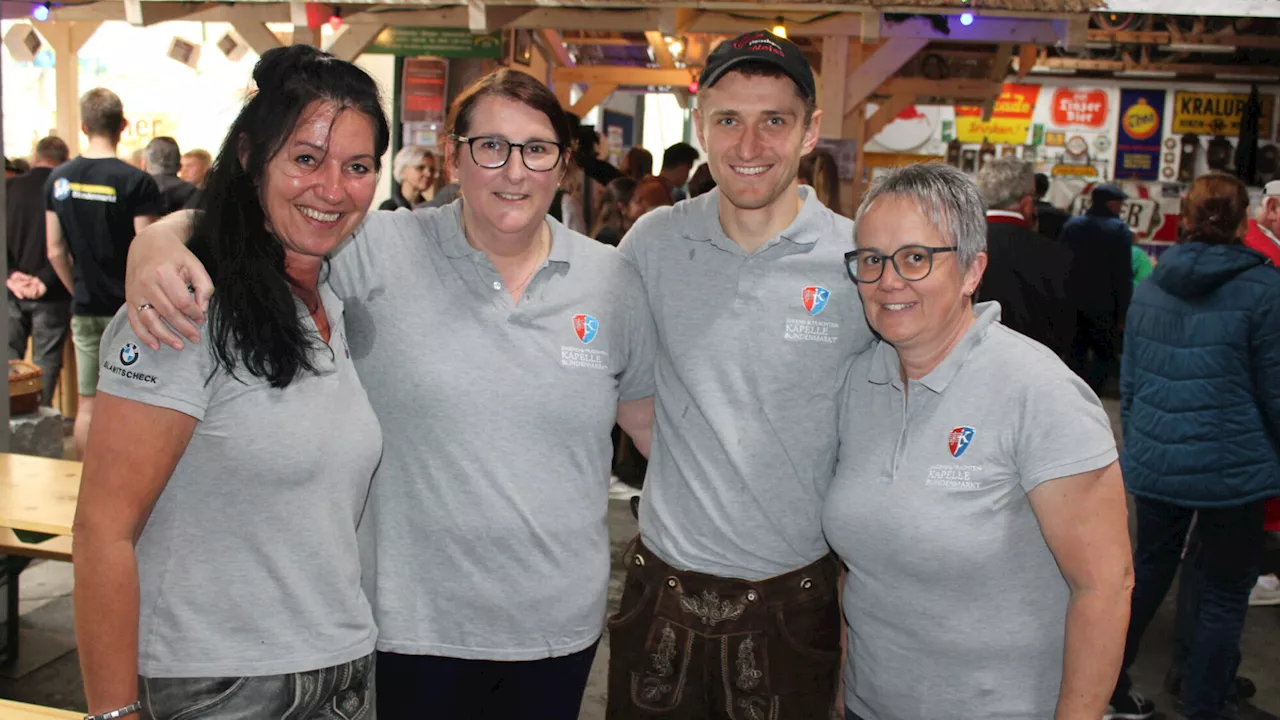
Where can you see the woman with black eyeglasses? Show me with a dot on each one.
(497, 347)
(977, 502)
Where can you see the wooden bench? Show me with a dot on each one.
(57, 547)
(10, 710)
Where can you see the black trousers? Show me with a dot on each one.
(1226, 568)
(1095, 352)
(47, 324)
(414, 687)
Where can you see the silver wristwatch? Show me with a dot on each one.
(126, 710)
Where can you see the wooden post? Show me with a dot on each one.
(302, 32)
(67, 38)
(835, 64)
(854, 124)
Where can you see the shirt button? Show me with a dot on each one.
(497, 285)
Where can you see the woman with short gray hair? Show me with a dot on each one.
(414, 168)
(989, 551)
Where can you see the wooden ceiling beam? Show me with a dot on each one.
(555, 45)
(595, 94)
(1134, 66)
(1159, 37)
(623, 75)
(958, 89)
(146, 14)
(445, 17)
(987, 29)
(886, 113)
(887, 60)
(661, 53)
(1027, 55)
(612, 41)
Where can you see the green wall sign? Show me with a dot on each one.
(438, 42)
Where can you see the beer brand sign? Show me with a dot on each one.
(1207, 113)
(1080, 108)
(1010, 120)
(1139, 136)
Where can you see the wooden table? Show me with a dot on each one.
(10, 710)
(38, 494)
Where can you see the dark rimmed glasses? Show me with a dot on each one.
(493, 152)
(913, 263)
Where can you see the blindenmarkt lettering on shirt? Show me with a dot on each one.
(83, 191)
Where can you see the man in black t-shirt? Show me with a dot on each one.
(39, 305)
(163, 159)
(95, 204)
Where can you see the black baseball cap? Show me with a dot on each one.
(764, 47)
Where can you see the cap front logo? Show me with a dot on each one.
(760, 43)
(585, 327)
(959, 440)
(815, 298)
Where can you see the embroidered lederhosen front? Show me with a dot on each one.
(688, 645)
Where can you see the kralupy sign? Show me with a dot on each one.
(1206, 113)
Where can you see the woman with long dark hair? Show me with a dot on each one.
(216, 566)
(500, 347)
(1200, 402)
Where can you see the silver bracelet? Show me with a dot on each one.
(126, 710)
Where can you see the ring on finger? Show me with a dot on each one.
(146, 306)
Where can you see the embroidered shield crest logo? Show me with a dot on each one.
(815, 298)
(959, 440)
(585, 327)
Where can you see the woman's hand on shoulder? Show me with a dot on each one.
(166, 288)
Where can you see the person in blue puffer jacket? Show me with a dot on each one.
(1200, 405)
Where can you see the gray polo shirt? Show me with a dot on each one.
(753, 350)
(248, 564)
(955, 605)
(488, 537)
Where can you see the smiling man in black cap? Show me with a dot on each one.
(1100, 284)
(730, 607)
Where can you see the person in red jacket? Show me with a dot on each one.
(1264, 227)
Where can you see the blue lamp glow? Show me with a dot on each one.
(40, 12)
(966, 19)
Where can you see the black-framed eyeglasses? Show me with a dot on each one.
(493, 152)
(913, 263)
